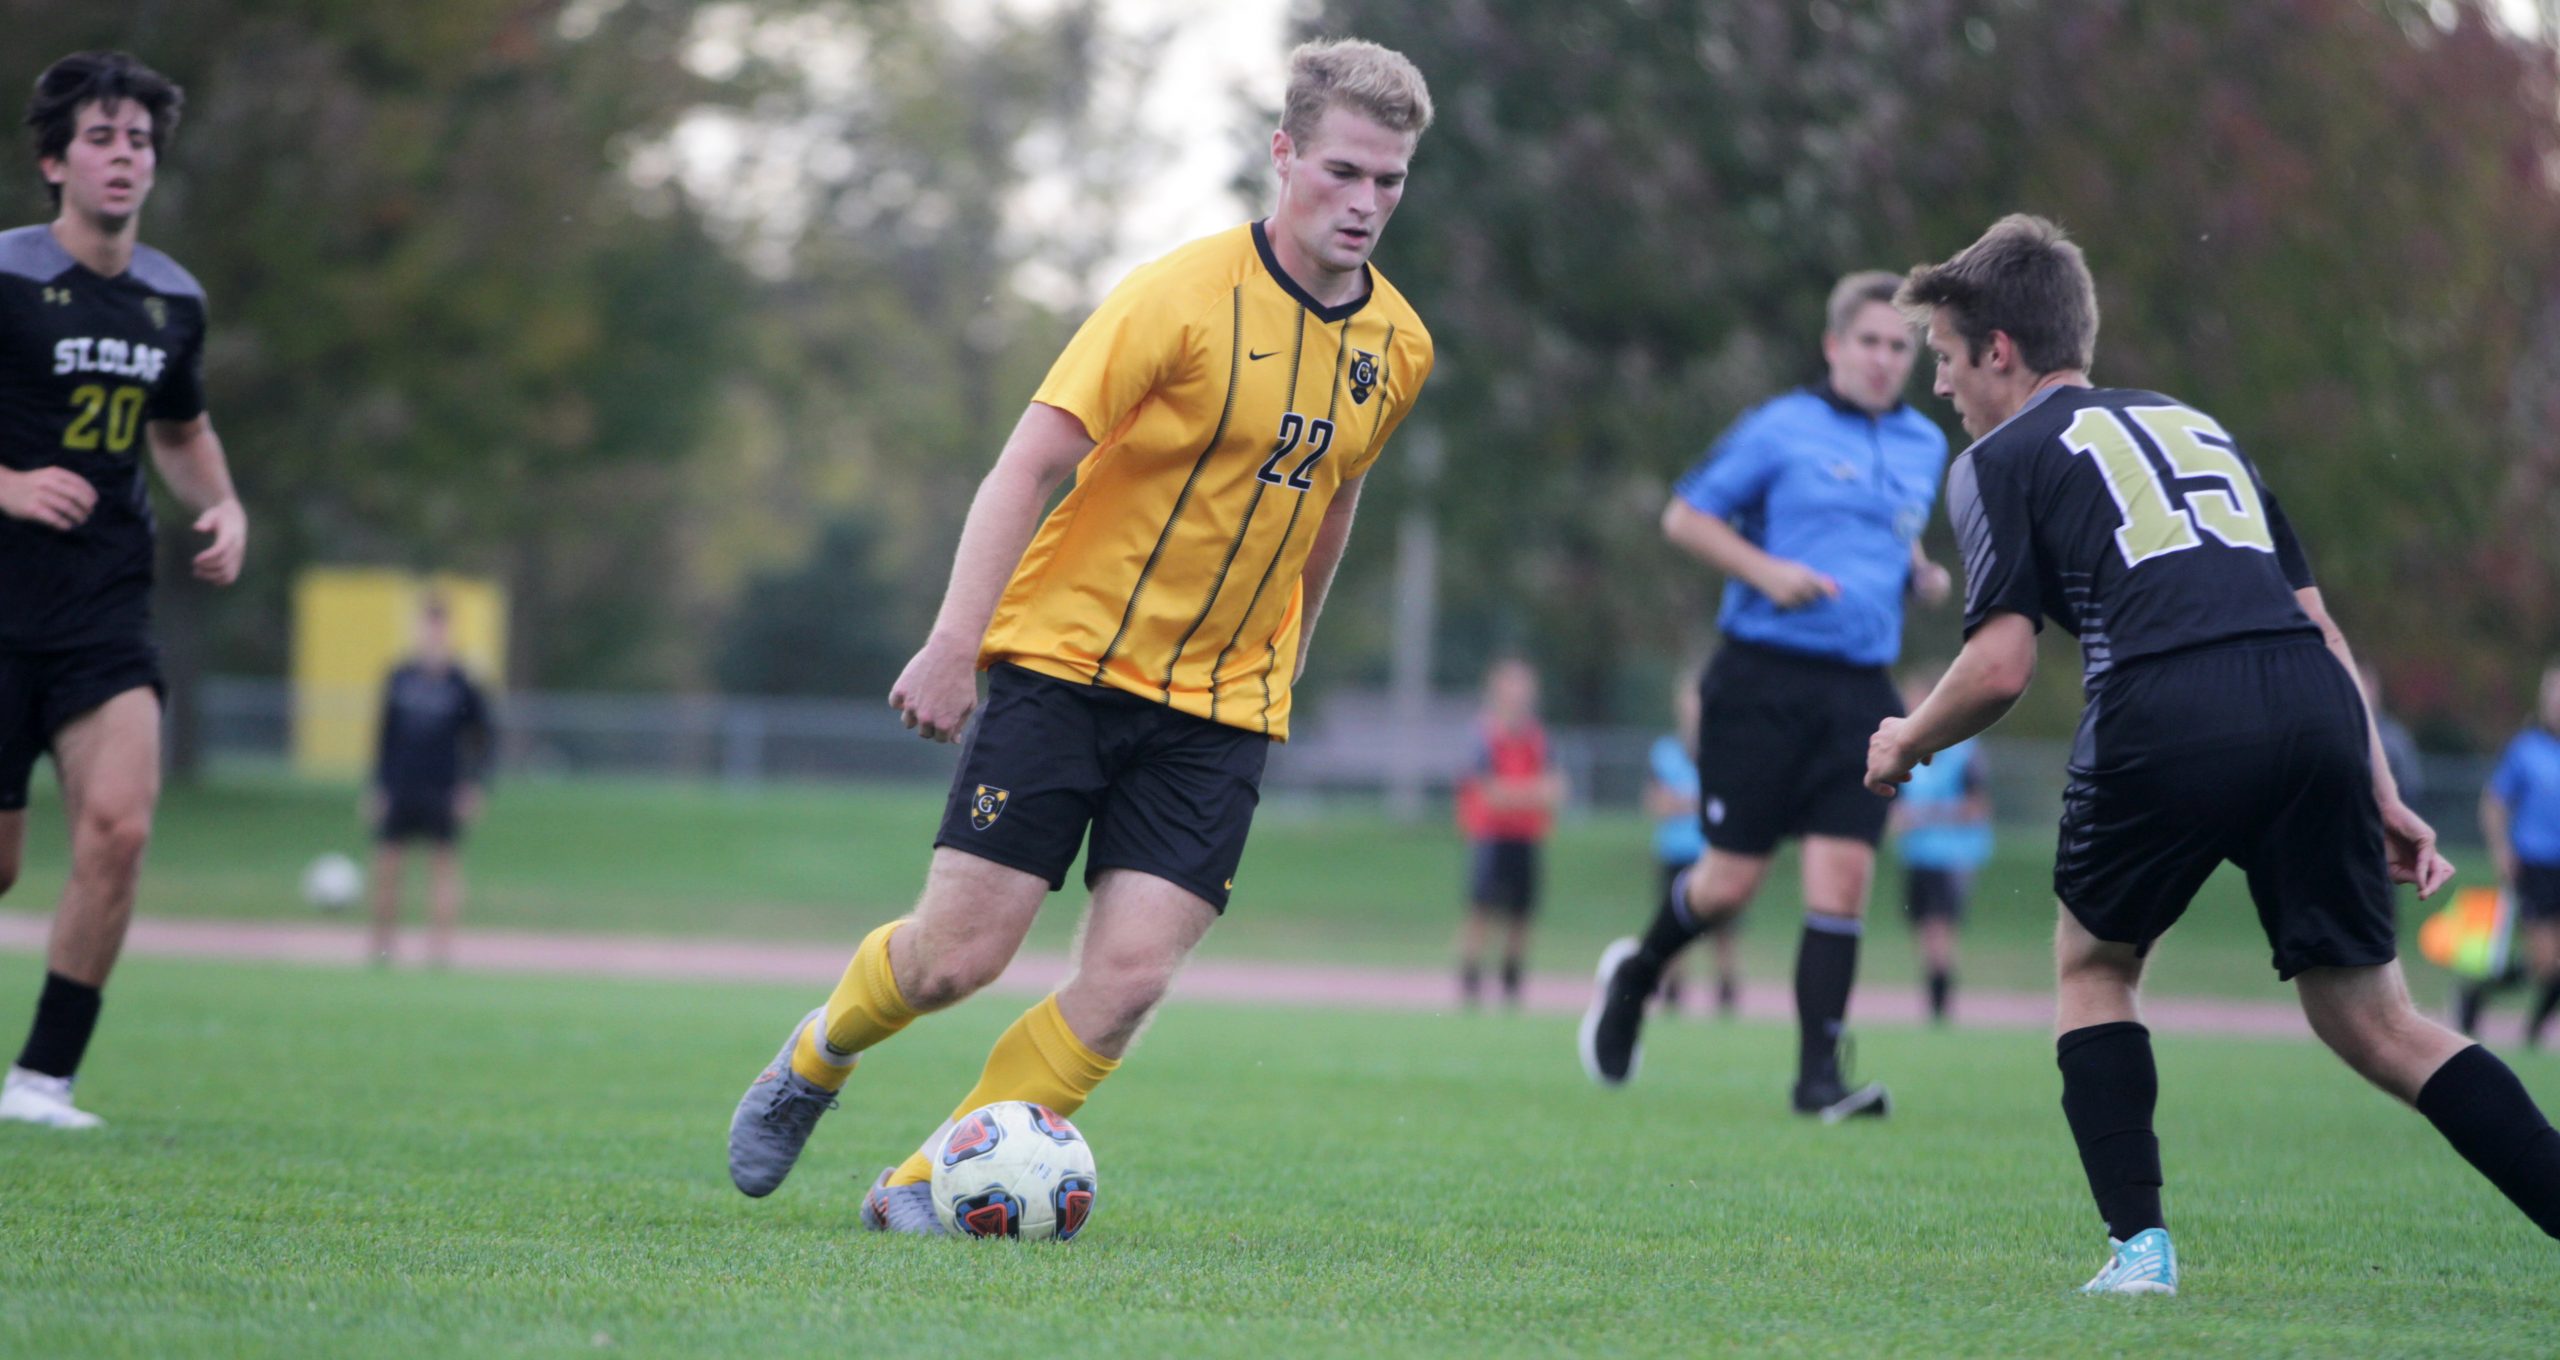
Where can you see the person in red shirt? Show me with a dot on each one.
(1506, 806)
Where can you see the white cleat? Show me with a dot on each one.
(2147, 1264)
(34, 1098)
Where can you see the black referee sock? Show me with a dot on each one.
(1671, 929)
(2475, 1101)
(2543, 1005)
(2109, 1088)
(1826, 966)
(1942, 986)
(66, 1015)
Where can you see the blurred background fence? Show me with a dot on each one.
(1350, 750)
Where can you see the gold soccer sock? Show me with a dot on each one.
(1038, 1059)
(867, 1007)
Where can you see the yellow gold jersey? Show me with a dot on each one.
(1226, 408)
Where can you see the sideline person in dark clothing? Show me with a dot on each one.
(430, 761)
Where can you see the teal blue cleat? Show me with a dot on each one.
(2145, 1265)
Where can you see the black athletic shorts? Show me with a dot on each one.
(1162, 792)
(428, 816)
(1782, 748)
(2253, 752)
(42, 692)
(2537, 891)
(1503, 878)
(1936, 894)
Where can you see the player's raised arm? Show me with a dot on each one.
(189, 456)
(1985, 680)
(1711, 540)
(939, 687)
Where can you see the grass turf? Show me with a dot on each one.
(344, 1163)
(825, 863)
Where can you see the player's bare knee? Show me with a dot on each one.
(116, 836)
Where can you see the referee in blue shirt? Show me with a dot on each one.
(2520, 820)
(1812, 507)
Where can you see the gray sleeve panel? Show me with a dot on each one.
(32, 253)
(161, 274)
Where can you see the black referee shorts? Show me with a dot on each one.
(1782, 748)
(1161, 791)
(2253, 752)
(43, 692)
(2537, 891)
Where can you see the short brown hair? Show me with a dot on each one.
(2024, 277)
(1376, 82)
(1854, 294)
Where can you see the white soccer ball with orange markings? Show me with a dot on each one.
(1013, 1169)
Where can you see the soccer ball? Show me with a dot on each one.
(1013, 1169)
(332, 883)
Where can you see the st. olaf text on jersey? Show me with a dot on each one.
(121, 358)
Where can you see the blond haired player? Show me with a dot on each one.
(1219, 412)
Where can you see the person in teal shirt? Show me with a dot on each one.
(1942, 825)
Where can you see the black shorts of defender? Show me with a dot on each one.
(1782, 748)
(1161, 791)
(1502, 878)
(2537, 892)
(1936, 894)
(43, 692)
(2253, 752)
(410, 816)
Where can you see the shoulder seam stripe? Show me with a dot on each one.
(1235, 359)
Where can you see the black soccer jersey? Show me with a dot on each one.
(84, 361)
(2131, 519)
(434, 733)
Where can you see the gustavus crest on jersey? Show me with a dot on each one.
(986, 805)
(1364, 375)
(158, 310)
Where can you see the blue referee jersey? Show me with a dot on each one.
(1812, 478)
(2528, 782)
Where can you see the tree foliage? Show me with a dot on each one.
(2330, 222)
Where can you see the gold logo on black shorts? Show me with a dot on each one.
(986, 806)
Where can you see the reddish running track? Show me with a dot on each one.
(1211, 979)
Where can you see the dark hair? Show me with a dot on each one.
(108, 78)
(2024, 277)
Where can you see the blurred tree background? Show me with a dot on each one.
(698, 323)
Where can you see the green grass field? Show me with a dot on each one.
(344, 1163)
(825, 864)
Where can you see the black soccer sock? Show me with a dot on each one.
(1671, 929)
(1942, 985)
(2475, 1101)
(1511, 980)
(66, 1015)
(1470, 981)
(1826, 966)
(2543, 1005)
(2109, 1088)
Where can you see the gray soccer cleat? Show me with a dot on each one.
(901, 1208)
(773, 1119)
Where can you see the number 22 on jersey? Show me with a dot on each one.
(2153, 526)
